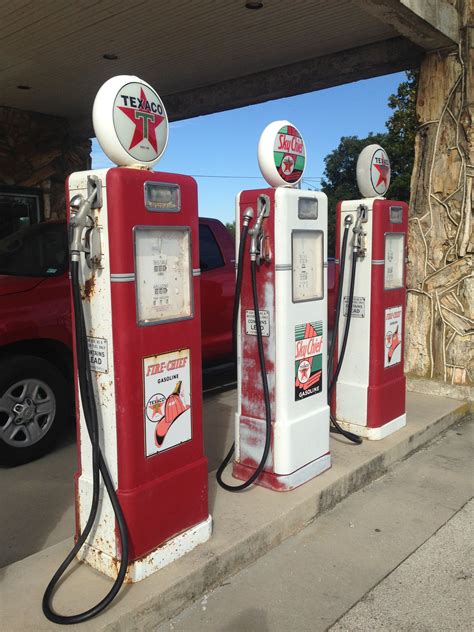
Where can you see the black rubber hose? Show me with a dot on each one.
(99, 467)
(339, 300)
(346, 327)
(263, 371)
(338, 428)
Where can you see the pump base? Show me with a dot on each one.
(168, 552)
(284, 482)
(375, 434)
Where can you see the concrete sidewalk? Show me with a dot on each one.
(406, 533)
(246, 526)
(431, 590)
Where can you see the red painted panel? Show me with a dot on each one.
(386, 393)
(165, 493)
(252, 419)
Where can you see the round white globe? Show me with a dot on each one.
(130, 121)
(373, 171)
(276, 146)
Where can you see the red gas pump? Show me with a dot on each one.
(371, 250)
(135, 273)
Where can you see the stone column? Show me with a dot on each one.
(39, 151)
(440, 304)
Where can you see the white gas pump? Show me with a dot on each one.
(282, 421)
(371, 246)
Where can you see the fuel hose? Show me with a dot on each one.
(337, 427)
(263, 372)
(99, 468)
(332, 346)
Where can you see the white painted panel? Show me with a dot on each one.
(302, 426)
(98, 317)
(353, 382)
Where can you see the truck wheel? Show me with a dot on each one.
(34, 407)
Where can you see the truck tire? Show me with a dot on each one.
(35, 404)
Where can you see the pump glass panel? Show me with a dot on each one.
(307, 265)
(394, 260)
(160, 196)
(163, 274)
(395, 214)
(307, 208)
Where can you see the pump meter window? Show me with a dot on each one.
(163, 274)
(394, 260)
(307, 265)
(162, 197)
(307, 208)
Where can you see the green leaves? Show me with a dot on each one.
(339, 182)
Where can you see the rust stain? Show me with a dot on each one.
(89, 287)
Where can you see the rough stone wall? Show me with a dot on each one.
(440, 304)
(40, 151)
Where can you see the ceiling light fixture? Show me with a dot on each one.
(110, 56)
(253, 5)
(24, 87)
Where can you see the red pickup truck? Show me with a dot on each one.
(36, 393)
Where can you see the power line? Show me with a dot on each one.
(244, 177)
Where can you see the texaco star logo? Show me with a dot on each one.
(145, 122)
(155, 407)
(384, 171)
(304, 371)
(288, 165)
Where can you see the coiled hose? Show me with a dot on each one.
(337, 428)
(263, 372)
(99, 468)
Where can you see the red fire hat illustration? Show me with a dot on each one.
(394, 344)
(174, 407)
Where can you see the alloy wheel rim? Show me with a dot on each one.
(27, 411)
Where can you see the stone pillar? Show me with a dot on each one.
(40, 151)
(440, 303)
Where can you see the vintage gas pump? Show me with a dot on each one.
(135, 280)
(371, 246)
(282, 420)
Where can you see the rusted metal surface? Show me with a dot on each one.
(89, 287)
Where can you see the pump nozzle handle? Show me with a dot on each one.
(248, 215)
(256, 230)
(80, 208)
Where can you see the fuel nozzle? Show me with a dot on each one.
(359, 233)
(248, 215)
(79, 207)
(256, 232)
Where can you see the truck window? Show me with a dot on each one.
(210, 255)
(36, 250)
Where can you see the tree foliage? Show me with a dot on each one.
(339, 182)
(231, 228)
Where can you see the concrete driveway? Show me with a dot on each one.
(38, 498)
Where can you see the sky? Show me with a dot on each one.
(225, 143)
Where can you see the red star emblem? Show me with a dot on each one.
(383, 174)
(145, 122)
(288, 164)
(157, 408)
